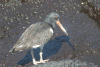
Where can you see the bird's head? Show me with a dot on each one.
(53, 18)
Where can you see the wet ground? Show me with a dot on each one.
(79, 17)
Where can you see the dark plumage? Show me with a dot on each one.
(37, 35)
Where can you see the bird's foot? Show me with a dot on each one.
(41, 61)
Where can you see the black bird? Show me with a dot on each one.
(37, 35)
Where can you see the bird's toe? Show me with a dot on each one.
(43, 61)
(35, 63)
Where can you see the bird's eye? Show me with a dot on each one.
(56, 18)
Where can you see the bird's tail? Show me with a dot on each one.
(12, 50)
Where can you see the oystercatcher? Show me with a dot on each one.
(37, 35)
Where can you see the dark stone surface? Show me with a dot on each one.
(81, 20)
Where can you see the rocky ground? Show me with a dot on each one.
(79, 17)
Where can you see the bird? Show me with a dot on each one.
(37, 35)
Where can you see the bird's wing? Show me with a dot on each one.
(28, 31)
(26, 35)
(36, 34)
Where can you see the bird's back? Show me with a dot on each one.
(34, 36)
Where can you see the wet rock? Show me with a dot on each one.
(66, 63)
(75, 16)
(92, 9)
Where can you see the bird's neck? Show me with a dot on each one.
(52, 25)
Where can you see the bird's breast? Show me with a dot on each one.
(51, 30)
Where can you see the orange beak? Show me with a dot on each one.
(62, 28)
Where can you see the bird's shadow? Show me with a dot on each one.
(49, 49)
